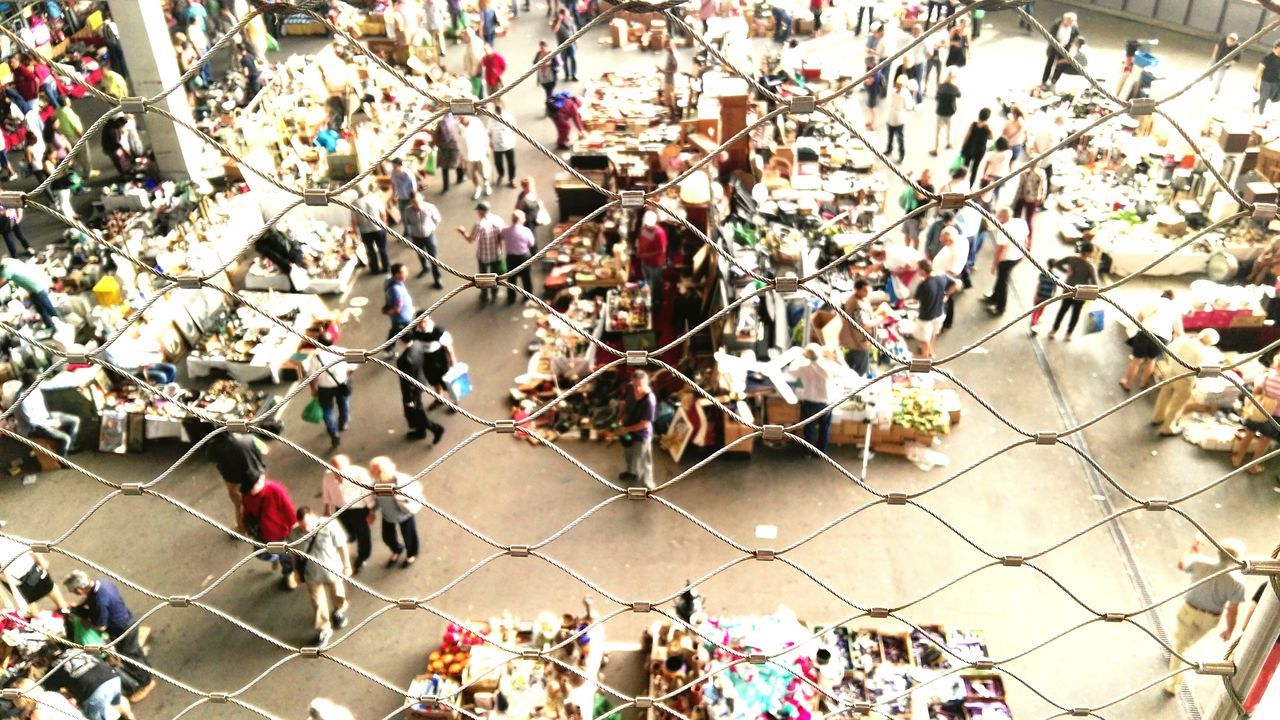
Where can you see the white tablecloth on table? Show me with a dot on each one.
(1183, 262)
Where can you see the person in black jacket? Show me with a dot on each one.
(412, 362)
(1065, 31)
(974, 145)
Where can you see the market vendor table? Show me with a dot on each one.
(258, 279)
(275, 349)
(1184, 262)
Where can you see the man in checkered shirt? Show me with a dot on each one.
(486, 234)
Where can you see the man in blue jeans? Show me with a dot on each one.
(815, 387)
(92, 683)
(781, 22)
(486, 235)
(35, 282)
(331, 385)
(39, 422)
(398, 304)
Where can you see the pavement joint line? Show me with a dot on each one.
(1101, 490)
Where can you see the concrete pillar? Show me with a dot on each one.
(153, 67)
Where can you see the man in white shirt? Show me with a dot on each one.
(1011, 245)
(952, 260)
(331, 387)
(475, 154)
(816, 375)
(40, 422)
(372, 231)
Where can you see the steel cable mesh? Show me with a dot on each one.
(633, 201)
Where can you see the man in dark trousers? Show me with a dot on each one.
(412, 362)
(1065, 31)
(104, 610)
(239, 463)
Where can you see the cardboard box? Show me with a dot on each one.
(734, 430)
(1234, 139)
(1260, 192)
(779, 412)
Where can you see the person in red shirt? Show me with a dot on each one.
(651, 251)
(267, 511)
(493, 65)
(24, 78)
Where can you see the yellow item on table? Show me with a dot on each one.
(107, 292)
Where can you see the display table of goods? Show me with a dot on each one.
(907, 673)
(905, 411)
(250, 347)
(561, 348)
(628, 309)
(580, 260)
(165, 417)
(470, 671)
(329, 256)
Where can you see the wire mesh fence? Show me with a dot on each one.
(798, 106)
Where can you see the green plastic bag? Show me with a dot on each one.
(84, 635)
(908, 200)
(312, 412)
(957, 163)
(273, 45)
(429, 165)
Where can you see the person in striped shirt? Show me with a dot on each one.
(486, 235)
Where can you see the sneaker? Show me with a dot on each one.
(476, 195)
(141, 693)
(437, 286)
(289, 582)
(488, 189)
(339, 619)
(324, 636)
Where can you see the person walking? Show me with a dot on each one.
(876, 87)
(353, 504)
(1015, 132)
(855, 337)
(473, 53)
(240, 462)
(503, 140)
(268, 513)
(1011, 246)
(492, 65)
(1029, 196)
(404, 186)
(995, 166)
(1221, 49)
(422, 218)
(103, 609)
(911, 199)
(863, 8)
(901, 103)
(26, 576)
(815, 374)
(974, 146)
(437, 357)
(651, 251)
(88, 680)
(954, 259)
(669, 68)
(932, 294)
(565, 115)
(448, 150)
(958, 44)
(331, 386)
(489, 22)
(1215, 595)
(324, 562)
(399, 531)
(564, 26)
(518, 243)
(1080, 271)
(1065, 30)
(1158, 325)
(398, 304)
(1174, 395)
(947, 97)
(549, 72)
(486, 235)
(528, 203)
(369, 219)
(635, 426)
(474, 143)
(412, 362)
(1266, 80)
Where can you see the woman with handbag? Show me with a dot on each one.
(331, 386)
(1259, 425)
(397, 511)
(26, 576)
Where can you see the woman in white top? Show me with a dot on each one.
(503, 140)
(473, 143)
(1161, 321)
(995, 165)
(901, 102)
(350, 490)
